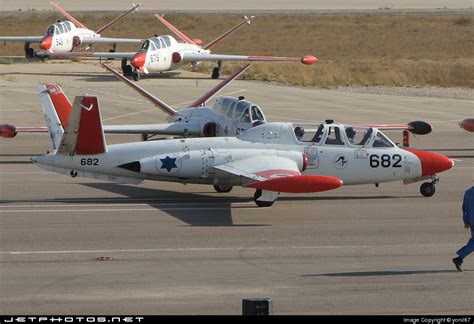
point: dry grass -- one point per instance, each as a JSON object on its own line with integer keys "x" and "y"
{"x": 353, "y": 50}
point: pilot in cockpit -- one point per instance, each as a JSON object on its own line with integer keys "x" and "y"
{"x": 299, "y": 132}
{"x": 350, "y": 132}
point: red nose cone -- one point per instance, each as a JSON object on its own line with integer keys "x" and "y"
{"x": 138, "y": 60}
{"x": 432, "y": 163}
{"x": 45, "y": 43}
{"x": 467, "y": 124}
{"x": 308, "y": 60}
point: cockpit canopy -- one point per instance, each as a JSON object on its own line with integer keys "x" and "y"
{"x": 156, "y": 43}
{"x": 342, "y": 135}
{"x": 59, "y": 28}
{"x": 240, "y": 110}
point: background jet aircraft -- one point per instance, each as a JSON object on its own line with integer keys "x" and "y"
{"x": 269, "y": 158}
{"x": 227, "y": 117}
{"x": 165, "y": 53}
{"x": 63, "y": 36}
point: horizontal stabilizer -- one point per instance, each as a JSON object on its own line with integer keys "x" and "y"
{"x": 298, "y": 184}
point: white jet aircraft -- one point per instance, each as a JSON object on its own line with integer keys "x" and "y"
{"x": 62, "y": 37}
{"x": 165, "y": 53}
{"x": 271, "y": 158}
{"x": 227, "y": 117}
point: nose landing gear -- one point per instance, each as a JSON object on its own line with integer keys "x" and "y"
{"x": 428, "y": 189}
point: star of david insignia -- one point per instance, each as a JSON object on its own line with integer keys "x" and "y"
{"x": 168, "y": 163}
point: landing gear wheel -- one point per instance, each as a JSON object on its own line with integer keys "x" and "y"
{"x": 260, "y": 203}
{"x": 215, "y": 73}
{"x": 136, "y": 76}
{"x": 30, "y": 53}
{"x": 427, "y": 189}
{"x": 223, "y": 188}
{"x": 127, "y": 70}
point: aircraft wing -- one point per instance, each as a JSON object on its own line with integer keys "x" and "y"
{"x": 277, "y": 174}
{"x": 199, "y": 57}
{"x": 179, "y": 129}
{"x": 88, "y": 54}
{"x": 26, "y": 39}
{"x": 110, "y": 40}
{"x": 417, "y": 127}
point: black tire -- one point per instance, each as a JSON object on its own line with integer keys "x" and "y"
{"x": 215, "y": 73}
{"x": 30, "y": 53}
{"x": 427, "y": 189}
{"x": 260, "y": 203}
{"x": 223, "y": 188}
{"x": 136, "y": 76}
{"x": 127, "y": 70}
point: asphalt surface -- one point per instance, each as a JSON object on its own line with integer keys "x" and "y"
{"x": 79, "y": 246}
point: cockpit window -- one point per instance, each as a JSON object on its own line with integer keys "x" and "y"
{"x": 309, "y": 134}
{"x": 381, "y": 141}
{"x": 230, "y": 111}
{"x": 167, "y": 41}
{"x": 246, "y": 116}
{"x": 155, "y": 44}
{"x": 67, "y": 27}
{"x": 358, "y": 135}
{"x": 239, "y": 109}
{"x": 146, "y": 45}
{"x": 257, "y": 115}
{"x": 50, "y": 31}
{"x": 334, "y": 136}
{"x": 163, "y": 45}
{"x": 61, "y": 29}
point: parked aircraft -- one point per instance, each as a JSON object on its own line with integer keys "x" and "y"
{"x": 64, "y": 36}
{"x": 165, "y": 53}
{"x": 227, "y": 117}
{"x": 271, "y": 158}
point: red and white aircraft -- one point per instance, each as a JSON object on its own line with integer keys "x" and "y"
{"x": 270, "y": 158}
{"x": 165, "y": 53}
{"x": 62, "y": 37}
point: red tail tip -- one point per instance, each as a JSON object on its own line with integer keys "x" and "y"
{"x": 309, "y": 59}
{"x": 7, "y": 131}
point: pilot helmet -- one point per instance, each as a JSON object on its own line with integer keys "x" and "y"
{"x": 299, "y": 131}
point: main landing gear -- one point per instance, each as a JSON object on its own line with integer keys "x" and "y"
{"x": 29, "y": 52}
{"x": 223, "y": 188}
{"x": 127, "y": 69}
{"x": 263, "y": 203}
{"x": 216, "y": 72}
{"x": 428, "y": 189}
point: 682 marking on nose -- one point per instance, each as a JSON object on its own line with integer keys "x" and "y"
{"x": 385, "y": 161}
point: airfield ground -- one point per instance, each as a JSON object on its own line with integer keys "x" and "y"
{"x": 79, "y": 246}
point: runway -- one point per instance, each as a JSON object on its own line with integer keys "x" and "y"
{"x": 79, "y": 246}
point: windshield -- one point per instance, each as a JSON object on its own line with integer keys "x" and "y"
{"x": 50, "y": 31}
{"x": 381, "y": 141}
{"x": 358, "y": 135}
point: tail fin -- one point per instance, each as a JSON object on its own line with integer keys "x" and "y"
{"x": 229, "y": 32}
{"x": 175, "y": 30}
{"x": 134, "y": 8}
{"x": 84, "y": 134}
{"x": 68, "y": 16}
{"x": 56, "y": 108}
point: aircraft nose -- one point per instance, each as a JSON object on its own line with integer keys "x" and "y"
{"x": 46, "y": 42}
{"x": 138, "y": 60}
{"x": 432, "y": 163}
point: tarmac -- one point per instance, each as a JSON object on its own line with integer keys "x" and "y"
{"x": 80, "y": 246}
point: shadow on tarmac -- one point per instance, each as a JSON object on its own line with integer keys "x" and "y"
{"x": 381, "y": 273}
